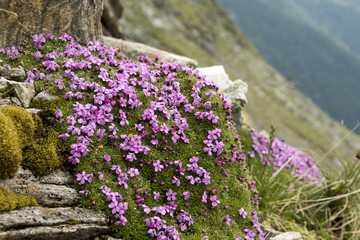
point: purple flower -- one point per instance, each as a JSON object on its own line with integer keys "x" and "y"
{"x": 50, "y": 65}
{"x": 101, "y": 176}
{"x": 214, "y": 201}
{"x": 186, "y": 195}
{"x": 176, "y": 181}
{"x": 242, "y": 212}
{"x": 85, "y": 193}
{"x": 156, "y": 195}
{"x": 139, "y": 127}
{"x": 38, "y": 40}
{"x": 147, "y": 210}
{"x": 58, "y": 113}
{"x": 133, "y": 172}
{"x": 204, "y": 198}
{"x": 50, "y": 36}
{"x": 40, "y": 76}
{"x": 158, "y": 166}
{"x": 207, "y": 105}
{"x": 116, "y": 168}
{"x": 171, "y": 195}
{"x": 82, "y": 177}
{"x": 227, "y": 219}
{"x": 107, "y": 158}
{"x": 189, "y": 108}
{"x": 122, "y": 221}
{"x": 36, "y": 55}
{"x": 65, "y": 37}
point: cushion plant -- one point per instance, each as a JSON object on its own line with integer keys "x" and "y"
{"x": 152, "y": 143}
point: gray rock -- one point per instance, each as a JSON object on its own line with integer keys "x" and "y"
{"x": 33, "y": 110}
{"x": 7, "y": 101}
{"x": 22, "y": 19}
{"x": 52, "y": 191}
{"x": 45, "y": 96}
{"x": 3, "y": 85}
{"x": 40, "y": 216}
{"x": 235, "y": 91}
{"x": 12, "y": 74}
{"x": 58, "y": 177}
{"x": 62, "y": 232}
{"x": 133, "y": 50}
{"x": 288, "y": 236}
{"x": 23, "y": 91}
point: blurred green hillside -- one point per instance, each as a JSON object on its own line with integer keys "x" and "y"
{"x": 313, "y": 42}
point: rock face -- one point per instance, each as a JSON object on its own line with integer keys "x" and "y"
{"x": 39, "y": 216}
{"x": 43, "y": 222}
{"x": 24, "y": 92}
{"x": 65, "y": 232}
{"x": 112, "y": 12}
{"x": 133, "y": 50}
{"x": 12, "y": 74}
{"x": 21, "y": 19}
{"x": 45, "y": 96}
{"x": 51, "y": 191}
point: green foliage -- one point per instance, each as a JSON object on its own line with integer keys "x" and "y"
{"x": 10, "y": 149}
{"x": 272, "y": 188}
{"x": 23, "y": 123}
{"x": 331, "y": 209}
{"x": 10, "y": 201}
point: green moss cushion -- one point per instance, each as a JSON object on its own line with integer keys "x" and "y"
{"x": 10, "y": 148}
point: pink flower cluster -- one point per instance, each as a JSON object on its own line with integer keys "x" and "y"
{"x": 212, "y": 144}
{"x": 117, "y": 205}
{"x": 280, "y": 152}
{"x": 157, "y": 228}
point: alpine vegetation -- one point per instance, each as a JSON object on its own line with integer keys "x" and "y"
{"x": 151, "y": 143}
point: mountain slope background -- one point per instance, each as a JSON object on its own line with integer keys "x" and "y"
{"x": 313, "y": 42}
{"x": 337, "y": 18}
{"x": 201, "y": 29}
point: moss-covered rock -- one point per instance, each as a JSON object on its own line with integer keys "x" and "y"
{"x": 23, "y": 123}
{"x": 10, "y": 148}
{"x": 10, "y": 201}
{"x": 42, "y": 156}
{"x": 50, "y": 105}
